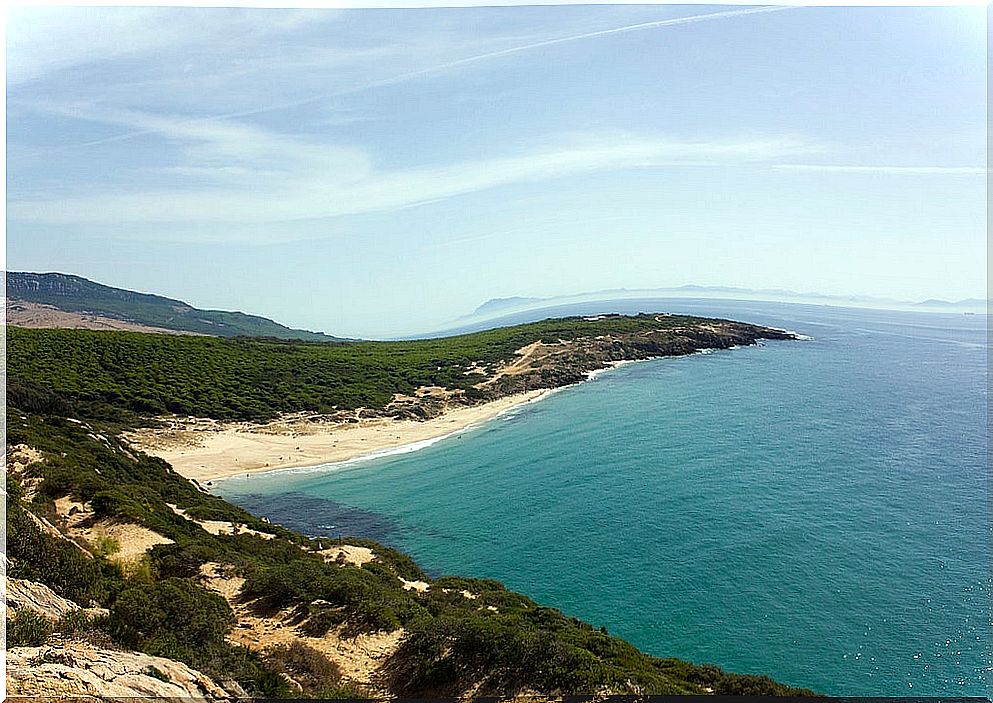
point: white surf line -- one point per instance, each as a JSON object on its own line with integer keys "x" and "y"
{"x": 611, "y": 365}
{"x": 799, "y": 337}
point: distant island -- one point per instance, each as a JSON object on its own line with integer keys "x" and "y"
{"x": 62, "y": 300}
{"x": 966, "y": 304}
{"x": 119, "y": 560}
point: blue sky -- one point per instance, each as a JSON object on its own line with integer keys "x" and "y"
{"x": 379, "y": 172}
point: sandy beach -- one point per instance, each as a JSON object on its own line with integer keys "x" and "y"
{"x": 204, "y": 450}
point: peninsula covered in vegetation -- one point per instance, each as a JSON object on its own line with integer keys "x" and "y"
{"x": 115, "y": 556}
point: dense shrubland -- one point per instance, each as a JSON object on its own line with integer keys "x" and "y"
{"x": 125, "y": 376}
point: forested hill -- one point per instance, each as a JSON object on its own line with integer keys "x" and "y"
{"x": 34, "y": 299}
{"x": 259, "y": 379}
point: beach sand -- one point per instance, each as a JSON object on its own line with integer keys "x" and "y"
{"x": 204, "y": 450}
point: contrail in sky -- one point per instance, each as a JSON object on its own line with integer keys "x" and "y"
{"x": 672, "y": 22}
{"x": 693, "y": 19}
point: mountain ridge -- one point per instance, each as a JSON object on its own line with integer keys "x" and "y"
{"x": 96, "y": 305}
{"x": 497, "y": 306}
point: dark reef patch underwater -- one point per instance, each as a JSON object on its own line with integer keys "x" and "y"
{"x": 321, "y": 517}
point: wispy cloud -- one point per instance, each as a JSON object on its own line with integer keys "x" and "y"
{"x": 245, "y": 174}
{"x": 99, "y": 41}
{"x": 215, "y": 143}
{"x": 888, "y": 170}
{"x": 226, "y": 170}
{"x": 45, "y": 40}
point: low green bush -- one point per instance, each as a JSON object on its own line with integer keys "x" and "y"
{"x": 82, "y": 626}
{"x": 230, "y": 662}
{"x": 323, "y": 619}
{"x": 373, "y": 615}
{"x": 27, "y": 629}
{"x": 168, "y": 614}
{"x": 311, "y": 669}
{"x": 58, "y": 563}
{"x": 156, "y": 673}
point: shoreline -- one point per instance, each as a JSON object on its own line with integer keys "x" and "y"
{"x": 214, "y": 451}
{"x": 520, "y": 400}
{"x": 206, "y": 451}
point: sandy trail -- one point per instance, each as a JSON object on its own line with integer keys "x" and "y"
{"x": 207, "y": 450}
{"x": 358, "y": 657}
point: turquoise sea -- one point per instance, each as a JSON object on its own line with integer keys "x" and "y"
{"x": 816, "y": 510}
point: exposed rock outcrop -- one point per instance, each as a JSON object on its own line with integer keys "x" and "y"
{"x": 41, "y": 600}
{"x": 58, "y": 671}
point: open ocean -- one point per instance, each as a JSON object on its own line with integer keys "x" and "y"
{"x": 817, "y": 511}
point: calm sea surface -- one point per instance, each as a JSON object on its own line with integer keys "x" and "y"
{"x": 817, "y": 511}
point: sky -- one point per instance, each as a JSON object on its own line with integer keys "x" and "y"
{"x": 375, "y": 173}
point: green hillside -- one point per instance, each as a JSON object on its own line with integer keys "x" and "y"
{"x": 76, "y": 294}
{"x": 259, "y": 378}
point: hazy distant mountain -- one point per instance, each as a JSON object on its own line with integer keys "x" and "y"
{"x": 500, "y": 306}
{"x": 965, "y": 303}
{"x": 495, "y": 305}
{"x": 63, "y": 300}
